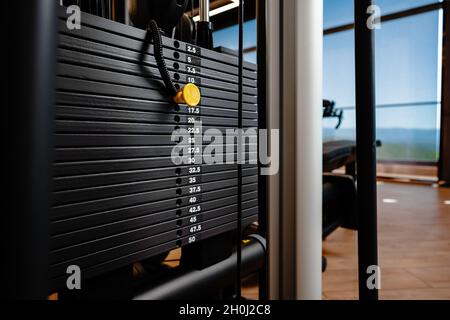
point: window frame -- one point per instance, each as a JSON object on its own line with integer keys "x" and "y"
{"x": 444, "y": 156}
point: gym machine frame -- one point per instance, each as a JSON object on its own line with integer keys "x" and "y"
{"x": 26, "y": 237}
{"x": 277, "y": 51}
{"x": 27, "y": 234}
{"x": 366, "y": 148}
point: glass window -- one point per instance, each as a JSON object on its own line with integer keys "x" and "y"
{"x": 407, "y": 91}
{"x": 337, "y": 13}
{"x": 229, "y": 37}
{"x": 408, "y": 57}
{"x": 339, "y": 83}
{"x": 250, "y": 57}
{"x": 339, "y": 68}
{"x": 409, "y": 133}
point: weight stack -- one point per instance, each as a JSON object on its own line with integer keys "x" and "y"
{"x": 118, "y": 198}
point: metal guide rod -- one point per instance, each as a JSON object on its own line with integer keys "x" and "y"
{"x": 308, "y": 42}
{"x": 127, "y": 12}
{"x": 199, "y": 282}
{"x": 204, "y": 27}
{"x": 240, "y": 146}
{"x": 366, "y": 148}
{"x": 271, "y": 85}
{"x": 262, "y": 124}
{"x": 204, "y": 10}
{"x": 294, "y": 100}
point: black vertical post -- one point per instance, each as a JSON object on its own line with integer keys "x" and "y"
{"x": 444, "y": 159}
{"x": 86, "y": 6}
{"x": 262, "y": 124}
{"x": 28, "y": 117}
{"x": 366, "y": 148}
{"x": 96, "y": 7}
{"x": 240, "y": 148}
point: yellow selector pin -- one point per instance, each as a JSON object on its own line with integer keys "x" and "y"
{"x": 190, "y": 95}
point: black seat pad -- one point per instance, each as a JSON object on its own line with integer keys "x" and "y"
{"x": 338, "y": 153}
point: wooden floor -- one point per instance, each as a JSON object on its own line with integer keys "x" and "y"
{"x": 414, "y": 246}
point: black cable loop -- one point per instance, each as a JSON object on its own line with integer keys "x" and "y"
{"x": 158, "y": 52}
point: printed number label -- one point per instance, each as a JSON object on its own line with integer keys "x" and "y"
{"x": 194, "y": 110}
{"x": 193, "y": 60}
{"x": 193, "y": 180}
{"x": 194, "y": 130}
{"x": 193, "y": 50}
{"x": 196, "y": 189}
{"x": 193, "y": 220}
{"x": 195, "y": 229}
{"x": 192, "y": 70}
{"x": 193, "y": 200}
{"x": 191, "y": 120}
{"x": 194, "y": 80}
{"x": 195, "y": 170}
{"x": 195, "y": 150}
{"x": 192, "y": 239}
{"x": 196, "y": 209}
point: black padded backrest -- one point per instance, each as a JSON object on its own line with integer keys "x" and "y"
{"x": 338, "y": 153}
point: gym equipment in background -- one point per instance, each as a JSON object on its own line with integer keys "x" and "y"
{"x": 330, "y": 111}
